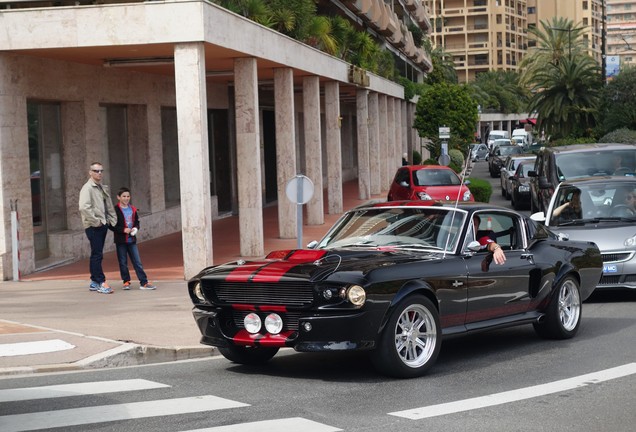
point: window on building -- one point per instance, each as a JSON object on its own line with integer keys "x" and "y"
{"x": 46, "y": 167}
{"x": 169, "y": 140}
{"x": 585, "y": 6}
{"x": 117, "y": 169}
{"x": 532, "y": 10}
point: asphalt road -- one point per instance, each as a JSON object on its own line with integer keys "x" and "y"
{"x": 504, "y": 380}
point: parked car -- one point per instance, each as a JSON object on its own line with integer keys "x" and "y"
{"x": 520, "y": 186}
{"x": 478, "y": 152}
{"x": 498, "y": 156}
{"x": 508, "y": 169}
{"x": 556, "y": 164}
{"x": 600, "y": 209}
{"x": 394, "y": 279}
{"x": 428, "y": 182}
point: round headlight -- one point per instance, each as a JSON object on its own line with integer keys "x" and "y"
{"x": 466, "y": 196}
{"x": 356, "y": 295}
{"x": 198, "y": 291}
{"x": 273, "y": 323}
{"x": 252, "y": 323}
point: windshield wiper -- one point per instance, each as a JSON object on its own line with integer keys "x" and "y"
{"x": 574, "y": 222}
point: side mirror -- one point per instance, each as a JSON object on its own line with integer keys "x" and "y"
{"x": 404, "y": 184}
{"x": 563, "y": 236}
{"x": 466, "y": 182}
{"x": 538, "y": 217}
{"x": 532, "y": 174}
{"x": 312, "y": 244}
{"x": 474, "y": 246}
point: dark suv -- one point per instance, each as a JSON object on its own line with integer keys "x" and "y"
{"x": 555, "y": 164}
{"x": 498, "y": 155}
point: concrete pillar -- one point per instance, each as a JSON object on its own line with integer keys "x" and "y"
{"x": 248, "y": 156}
{"x": 334, "y": 152}
{"x": 385, "y": 181}
{"x": 397, "y": 129}
{"x": 313, "y": 148}
{"x": 362, "y": 117}
{"x": 391, "y": 136}
{"x": 409, "y": 130}
{"x": 194, "y": 170}
{"x": 374, "y": 144}
{"x": 285, "y": 148}
{"x": 405, "y": 134}
{"x": 74, "y": 155}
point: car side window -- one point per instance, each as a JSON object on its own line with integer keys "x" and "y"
{"x": 501, "y": 227}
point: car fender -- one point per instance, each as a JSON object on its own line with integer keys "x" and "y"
{"x": 564, "y": 271}
{"x": 409, "y": 288}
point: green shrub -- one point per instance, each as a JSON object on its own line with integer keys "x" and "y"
{"x": 457, "y": 158}
{"x": 570, "y": 141}
{"x": 430, "y": 161}
{"x": 481, "y": 189}
{"x": 622, "y": 136}
{"x": 417, "y": 157}
{"x": 455, "y": 167}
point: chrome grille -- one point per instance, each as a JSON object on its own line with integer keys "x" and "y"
{"x": 283, "y": 293}
{"x": 290, "y": 319}
{"x": 615, "y": 257}
{"x": 630, "y": 278}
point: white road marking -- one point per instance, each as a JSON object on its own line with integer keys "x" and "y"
{"x": 291, "y": 424}
{"x": 79, "y": 389}
{"x": 109, "y": 413}
{"x": 517, "y": 395}
{"x": 37, "y": 347}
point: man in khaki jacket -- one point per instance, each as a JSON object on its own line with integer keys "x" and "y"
{"x": 98, "y": 213}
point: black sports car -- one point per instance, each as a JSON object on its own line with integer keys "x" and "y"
{"x": 395, "y": 278}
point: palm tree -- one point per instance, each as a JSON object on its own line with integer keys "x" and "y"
{"x": 500, "y": 91}
{"x": 563, "y": 79}
{"x": 566, "y": 96}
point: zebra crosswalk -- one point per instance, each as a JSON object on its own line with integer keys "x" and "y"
{"x": 61, "y": 418}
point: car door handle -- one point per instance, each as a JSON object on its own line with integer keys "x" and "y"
{"x": 527, "y": 256}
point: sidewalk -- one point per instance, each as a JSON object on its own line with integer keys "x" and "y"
{"x": 54, "y": 309}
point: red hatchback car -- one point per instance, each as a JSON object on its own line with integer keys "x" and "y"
{"x": 428, "y": 182}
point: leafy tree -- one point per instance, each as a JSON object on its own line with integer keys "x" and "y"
{"x": 500, "y": 91}
{"x": 449, "y": 105}
{"x": 618, "y": 106}
{"x": 563, "y": 79}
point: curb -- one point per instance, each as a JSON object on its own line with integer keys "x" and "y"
{"x": 128, "y": 354}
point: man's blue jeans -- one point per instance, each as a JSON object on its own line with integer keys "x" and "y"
{"x": 97, "y": 236}
{"x": 130, "y": 250}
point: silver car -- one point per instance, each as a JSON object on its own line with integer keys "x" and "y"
{"x": 603, "y": 210}
{"x": 508, "y": 170}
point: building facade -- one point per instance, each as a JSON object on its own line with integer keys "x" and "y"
{"x": 586, "y": 13}
{"x": 199, "y": 111}
{"x": 481, "y": 35}
{"x": 621, "y": 34}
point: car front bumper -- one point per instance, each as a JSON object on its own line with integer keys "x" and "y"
{"x": 351, "y": 330}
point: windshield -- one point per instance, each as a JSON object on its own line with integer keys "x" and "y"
{"x": 432, "y": 228}
{"x": 607, "y": 201}
{"x": 435, "y": 177}
{"x": 508, "y": 150}
{"x": 603, "y": 162}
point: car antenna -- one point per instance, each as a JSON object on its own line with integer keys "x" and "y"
{"x": 459, "y": 191}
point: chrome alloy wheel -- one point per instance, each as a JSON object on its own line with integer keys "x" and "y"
{"x": 569, "y": 305}
{"x": 415, "y": 335}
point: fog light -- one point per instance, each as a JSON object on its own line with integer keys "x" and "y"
{"x": 327, "y": 294}
{"x": 307, "y": 326}
{"x": 252, "y": 323}
{"x": 273, "y": 323}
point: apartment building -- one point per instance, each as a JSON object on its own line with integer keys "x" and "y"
{"x": 621, "y": 34}
{"x": 587, "y": 13}
{"x": 481, "y": 35}
{"x": 198, "y": 110}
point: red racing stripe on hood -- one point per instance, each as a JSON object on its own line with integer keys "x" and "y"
{"x": 243, "y": 273}
{"x": 276, "y": 270}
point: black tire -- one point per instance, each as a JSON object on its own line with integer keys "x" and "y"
{"x": 563, "y": 315}
{"x": 248, "y": 355}
{"x": 514, "y": 202}
{"x": 410, "y": 342}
